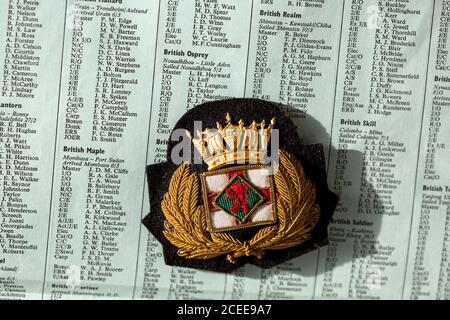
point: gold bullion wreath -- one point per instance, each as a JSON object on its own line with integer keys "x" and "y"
{"x": 185, "y": 219}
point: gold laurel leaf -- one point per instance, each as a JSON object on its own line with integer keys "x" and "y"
{"x": 185, "y": 219}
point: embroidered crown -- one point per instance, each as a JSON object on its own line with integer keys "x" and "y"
{"x": 231, "y": 144}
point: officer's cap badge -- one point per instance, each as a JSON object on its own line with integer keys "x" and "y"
{"x": 248, "y": 200}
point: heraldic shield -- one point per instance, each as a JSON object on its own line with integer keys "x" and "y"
{"x": 248, "y": 192}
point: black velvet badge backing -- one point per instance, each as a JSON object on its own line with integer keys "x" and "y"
{"x": 311, "y": 156}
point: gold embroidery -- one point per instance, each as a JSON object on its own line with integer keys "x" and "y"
{"x": 233, "y": 144}
{"x": 186, "y": 227}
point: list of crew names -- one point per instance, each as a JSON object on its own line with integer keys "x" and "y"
{"x": 91, "y": 89}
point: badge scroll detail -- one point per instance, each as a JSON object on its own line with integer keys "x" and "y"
{"x": 185, "y": 224}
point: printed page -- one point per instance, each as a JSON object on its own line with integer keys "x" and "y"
{"x": 91, "y": 89}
